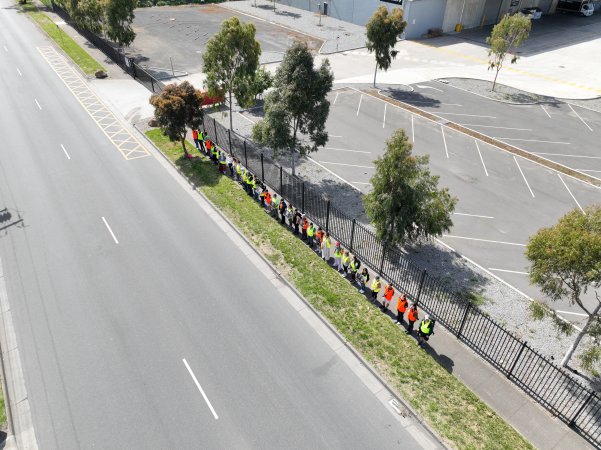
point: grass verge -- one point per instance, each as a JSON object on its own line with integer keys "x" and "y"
{"x": 88, "y": 64}
{"x": 448, "y": 406}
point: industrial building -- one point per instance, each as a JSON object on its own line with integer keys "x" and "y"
{"x": 424, "y": 15}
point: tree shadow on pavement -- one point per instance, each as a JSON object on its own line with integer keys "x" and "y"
{"x": 413, "y": 98}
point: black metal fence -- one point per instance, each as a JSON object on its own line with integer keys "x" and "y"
{"x": 120, "y": 58}
{"x": 548, "y": 384}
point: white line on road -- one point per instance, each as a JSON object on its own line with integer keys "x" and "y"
{"x": 412, "y": 130}
{"x": 5, "y": 49}
{"x": 251, "y": 121}
{"x": 38, "y": 103}
{"x": 481, "y": 159}
{"x": 384, "y": 121}
{"x": 349, "y": 165}
{"x": 564, "y": 154}
{"x": 360, "y": 182}
{"x": 491, "y": 126}
{"x": 570, "y": 312}
{"x": 336, "y": 98}
{"x": 473, "y": 215}
{"x": 19, "y": 72}
{"x": 482, "y": 240}
{"x": 430, "y": 103}
{"x": 446, "y": 150}
{"x": 571, "y": 195}
{"x": 422, "y": 86}
{"x": 200, "y": 389}
{"x": 523, "y": 176}
{"x": 531, "y": 140}
{"x": 333, "y": 173}
{"x": 549, "y": 115}
{"x": 346, "y": 150}
{"x": 333, "y": 136}
{"x": 110, "y": 231}
{"x": 65, "y": 150}
{"x": 468, "y": 115}
{"x": 508, "y": 271}
{"x": 359, "y": 107}
{"x": 581, "y": 119}
{"x": 588, "y": 170}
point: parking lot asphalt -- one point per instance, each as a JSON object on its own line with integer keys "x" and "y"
{"x": 503, "y": 199}
{"x": 178, "y": 35}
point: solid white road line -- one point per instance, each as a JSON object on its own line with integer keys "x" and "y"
{"x": 333, "y": 136}
{"x": 481, "y": 159}
{"x": 384, "y": 121}
{"x": 548, "y": 115}
{"x": 588, "y": 170}
{"x": 473, "y": 215}
{"x": 251, "y": 121}
{"x": 5, "y": 49}
{"x": 346, "y": 150}
{"x": 19, "y": 72}
{"x": 349, "y": 165}
{"x": 491, "y": 126}
{"x": 508, "y": 271}
{"x": 564, "y": 154}
{"x": 531, "y": 140}
{"x": 581, "y": 119}
{"x": 523, "y": 176}
{"x": 333, "y": 173}
{"x": 446, "y": 150}
{"x": 409, "y": 101}
{"x": 412, "y": 130}
{"x": 65, "y": 150}
{"x": 482, "y": 240}
{"x": 360, "y": 182}
{"x": 359, "y": 107}
{"x": 110, "y": 231}
{"x": 423, "y": 86}
{"x": 336, "y": 98}
{"x": 468, "y": 115}
{"x": 200, "y": 389}
{"x": 38, "y": 103}
{"x": 570, "y": 312}
{"x": 571, "y": 195}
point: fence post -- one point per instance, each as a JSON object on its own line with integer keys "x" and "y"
{"x": 152, "y": 85}
{"x": 281, "y": 183}
{"x": 350, "y": 247}
{"x": 245, "y": 155}
{"x": 303, "y": 198}
{"x": 467, "y": 311}
{"x": 262, "y": 168}
{"x": 573, "y": 421}
{"x": 215, "y": 128}
{"x": 421, "y": 285}
{"x": 229, "y": 138}
{"x": 517, "y": 358}
{"x": 328, "y": 217}
{"x": 384, "y": 247}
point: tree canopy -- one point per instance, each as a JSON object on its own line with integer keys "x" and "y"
{"x": 405, "y": 204}
{"x": 177, "y": 107}
{"x": 383, "y": 30}
{"x": 297, "y": 107}
{"x": 506, "y": 37}
{"x": 230, "y": 62}
{"x": 566, "y": 263}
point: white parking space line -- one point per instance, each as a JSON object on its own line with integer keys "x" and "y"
{"x": 360, "y": 182}
{"x": 546, "y": 112}
{"x": 336, "y": 98}
{"x": 429, "y": 103}
{"x": 564, "y": 154}
{"x": 570, "y": 312}
{"x": 110, "y": 230}
{"x": 571, "y": 195}
{"x": 444, "y": 139}
{"x": 588, "y": 170}
{"x": 412, "y": 130}
{"x": 333, "y": 173}
{"x": 581, "y": 119}
{"x": 207, "y": 401}
{"x": 65, "y": 150}
{"x": 19, "y": 72}
{"x": 523, "y": 176}
{"x": 346, "y": 150}
{"x": 491, "y": 126}
{"x": 473, "y": 215}
{"x": 531, "y": 140}
{"x": 250, "y": 120}
{"x": 384, "y": 121}
{"x": 482, "y": 240}
{"x": 348, "y": 165}
{"x": 38, "y": 103}
{"x": 5, "y": 49}
{"x": 481, "y": 159}
{"x": 467, "y": 115}
{"x": 359, "y": 107}
{"x": 507, "y": 271}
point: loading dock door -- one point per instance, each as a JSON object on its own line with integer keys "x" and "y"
{"x": 491, "y": 11}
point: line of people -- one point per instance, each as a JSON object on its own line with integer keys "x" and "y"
{"x": 318, "y": 239}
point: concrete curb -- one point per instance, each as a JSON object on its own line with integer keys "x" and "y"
{"x": 323, "y": 320}
{"x": 446, "y": 83}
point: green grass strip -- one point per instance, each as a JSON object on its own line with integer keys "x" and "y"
{"x": 448, "y": 406}
{"x": 82, "y": 58}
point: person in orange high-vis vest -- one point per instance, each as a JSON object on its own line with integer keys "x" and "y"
{"x": 401, "y": 307}
{"x": 412, "y": 317}
{"x": 388, "y": 294}
{"x": 305, "y": 228}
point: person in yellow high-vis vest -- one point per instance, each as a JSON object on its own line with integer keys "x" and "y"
{"x": 376, "y": 285}
{"x": 326, "y": 243}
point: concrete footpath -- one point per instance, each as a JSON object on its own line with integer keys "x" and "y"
{"x": 129, "y": 100}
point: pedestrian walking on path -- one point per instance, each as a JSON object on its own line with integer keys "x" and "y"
{"x": 426, "y": 329}
{"x": 346, "y": 262}
{"x": 375, "y": 289}
{"x": 412, "y": 317}
{"x": 297, "y": 221}
{"x": 318, "y": 238}
{"x": 326, "y": 243}
{"x": 388, "y": 294}
{"x": 283, "y": 209}
{"x": 338, "y": 257}
{"x": 401, "y": 307}
{"x": 290, "y": 216}
{"x": 310, "y": 234}
{"x": 195, "y": 138}
{"x": 305, "y": 222}
{"x": 355, "y": 265}
{"x": 275, "y": 206}
{"x": 363, "y": 280}
{"x": 202, "y": 136}
{"x": 222, "y": 162}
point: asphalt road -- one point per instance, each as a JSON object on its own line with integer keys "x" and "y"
{"x": 502, "y": 200}
{"x": 118, "y": 275}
